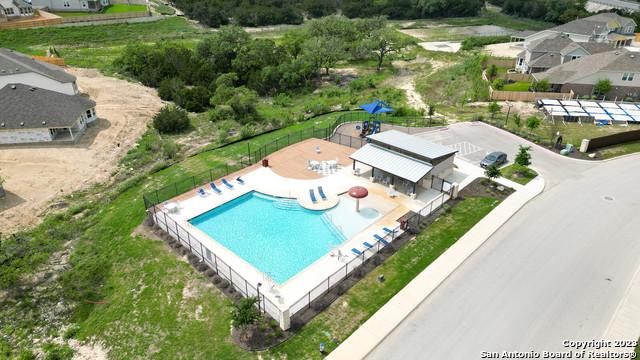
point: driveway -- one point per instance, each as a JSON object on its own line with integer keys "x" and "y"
{"x": 556, "y": 271}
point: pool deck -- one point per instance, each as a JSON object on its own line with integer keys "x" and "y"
{"x": 288, "y": 176}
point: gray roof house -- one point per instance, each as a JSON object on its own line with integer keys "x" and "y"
{"x": 14, "y": 9}
{"x": 620, "y": 66}
{"x": 603, "y": 28}
{"x": 543, "y": 54}
{"x": 17, "y": 68}
{"x": 71, "y": 5}
{"x": 414, "y": 161}
{"x": 35, "y": 115}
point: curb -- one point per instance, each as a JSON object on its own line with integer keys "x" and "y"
{"x": 370, "y": 334}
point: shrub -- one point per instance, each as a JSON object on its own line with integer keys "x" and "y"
{"x": 169, "y": 89}
{"x": 533, "y": 122}
{"x": 195, "y": 99}
{"x": 171, "y": 119}
{"x": 479, "y": 41}
{"x": 602, "y": 87}
{"x": 517, "y": 120}
{"x": 494, "y": 108}
{"x": 169, "y": 149}
{"x": 542, "y": 85}
{"x": 498, "y": 84}
{"x": 246, "y": 131}
{"x": 492, "y": 172}
{"x": 57, "y": 352}
{"x": 523, "y": 158}
{"x": 244, "y": 312}
{"x": 221, "y": 113}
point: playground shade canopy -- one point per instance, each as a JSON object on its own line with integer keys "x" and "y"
{"x": 376, "y": 107}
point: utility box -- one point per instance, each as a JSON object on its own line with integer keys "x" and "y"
{"x": 584, "y": 146}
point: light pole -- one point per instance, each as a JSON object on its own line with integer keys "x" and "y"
{"x": 509, "y": 106}
{"x": 258, "y": 288}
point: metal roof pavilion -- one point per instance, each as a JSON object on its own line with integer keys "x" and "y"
{"x": 392, "y": 162}
{"x": 412, "y": 144}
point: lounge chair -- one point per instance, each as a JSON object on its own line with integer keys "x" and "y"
{"x": 388, "y": 231}
{"x": 201, "y": 192}
{"x": 356, "y": 251}
{"x": 215, "y": 188}
{"x": 312, "y": 195}
{"x": 226, "y": 183}
{"x": 239, "y": 180}
{"x": 321, "y": 192}
{"x": 381, "y": 239}
{"x": 367, "y": 245}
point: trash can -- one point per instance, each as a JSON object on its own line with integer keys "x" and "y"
{"x": 265, "y": 162}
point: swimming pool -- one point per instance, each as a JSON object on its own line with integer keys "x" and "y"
{"x": 279, "y": 237}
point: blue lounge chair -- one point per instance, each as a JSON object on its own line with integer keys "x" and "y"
{"x": 201, "y": 192}
{"x": 215, "y": 188}
{"x": 226, "y": 183}
{"x": 240, "y": 181}
{"x": 388, "y": 231}
{"x": 356, "y": 251}
{"x": 381, "y": 239}
{"x": 321, "y": 192}
{"x": 312, "y": 195}
{"x": 367, "y": 245}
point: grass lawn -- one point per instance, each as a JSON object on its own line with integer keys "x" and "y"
{"x": 517, "y": 86}
{"x": 74, "y": 13}
{"x": 520, "y": 174}
{"x": 620, "y": 149}
{"x": 124, "y": 8}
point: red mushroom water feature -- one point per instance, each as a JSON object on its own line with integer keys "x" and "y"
{"x": 358, "y": 192}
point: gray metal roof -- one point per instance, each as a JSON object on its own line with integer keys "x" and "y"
{"x": 392, "y": 162}
{"x": 12, "y": 62}
{"x": 597, "y": 24}
{"x": 26, "y": 107}
{"x": 412, "y": 144}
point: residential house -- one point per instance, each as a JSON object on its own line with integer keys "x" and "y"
{"x": 14, "y": 9}
{"x": 17, "y": 68}
{"x": 71, "y": 5}
{"x": 602, "y": 28}
{"x": 543, "y": 54}
{"x": 620, "y": 66}
{"x": 35, "y": 115}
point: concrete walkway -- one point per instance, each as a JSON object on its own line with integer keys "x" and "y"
{"x": 385, "y": 320}
{"x": 624, "y": 324}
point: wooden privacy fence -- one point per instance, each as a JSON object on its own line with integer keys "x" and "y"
{"x": 50, "y": 60}
{"x": 43, "y": 18}
{"x": 613, "y": 139}
{"x": 518, "y": 77}
{"x": 508, "y": 63}
{"x": 500, "y": 95}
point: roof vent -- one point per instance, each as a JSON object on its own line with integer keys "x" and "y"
{"x": 44, "y": 123}
{"x": 633, "y": 56}
{"x": 32, "y": 89}
{"x": 13, "y": 87}
{"x": 617, "y": 52}
{"x": 17, "y": 69}
{"x": 22, "y": 123}
{"x": 1, "y": 124}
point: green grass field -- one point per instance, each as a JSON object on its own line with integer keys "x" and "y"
{"x": 517, "y": 86}
{"x": 520, "y": 174}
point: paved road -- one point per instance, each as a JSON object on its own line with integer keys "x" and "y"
{"x": 617, "y": 4}
{"x": 557, "y": 270}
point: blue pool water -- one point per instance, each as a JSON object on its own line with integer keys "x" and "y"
{"x": 278, "y": 236}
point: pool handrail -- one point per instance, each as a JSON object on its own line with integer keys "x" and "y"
{"x": 312, "y": 195}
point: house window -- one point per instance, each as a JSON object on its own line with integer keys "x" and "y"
{"x": 573, "y": 57}
{"x": 520, "y": 61}
{"x": 628, "y": 76}
{"x": 66, "y": 4}
{"x": 84, "y": 4}
{"x": 89, "y": 114}
{"x": 629, "y": 29}
{"x": 8, "y": 11}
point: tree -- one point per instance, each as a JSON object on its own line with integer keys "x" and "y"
{"x": 170, "y": 88}
{"x": 171, "y": 119}
{"x": 492, "y": 172}
{"x": 523, "y": 158}
{"x": 498, "y": 84}
{"x": 542, "y": 85}
{"x": 602, "y": 86}
{"x": 324, "y": 52}
{"x": 517, "y": 120}
{"x": 386, "y": 41}
{"x": 432, "y": 109}
{"x": 494, "y": 108}
{"x": 492, "y": 71}
{"x": 222, "y": 47}
{"x": 244, "y": 312}
{"x": 533, "y": 122}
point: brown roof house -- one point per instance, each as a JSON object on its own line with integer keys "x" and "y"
{"x": 620, "y": 66}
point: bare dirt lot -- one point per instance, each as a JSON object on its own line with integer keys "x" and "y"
{"x": 35, "y": 175}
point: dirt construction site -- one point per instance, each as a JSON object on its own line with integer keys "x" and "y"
{"x": 37, "y": 174}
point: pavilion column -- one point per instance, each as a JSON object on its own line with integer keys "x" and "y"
{"x": 372, "y": 174}
{"x": 71, "y": 133}
{"x": 354, "y": 164}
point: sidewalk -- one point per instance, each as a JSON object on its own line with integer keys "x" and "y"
{"x": 383, "y": 322}
{"x": 625, "y": 322}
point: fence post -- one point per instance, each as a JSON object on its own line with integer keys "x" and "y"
{"x": 193, "y": 178}
{"x": 157, "y": 198}
{"x": 309, "y": 299}
{"x": 226, "y": 168}
{"x": 188, "y": 240}
{"x": 230, "y": 275}
{"x": 211, "y": 173}
{"x": 246, "y": 288}
{"x": 215, "y": 263}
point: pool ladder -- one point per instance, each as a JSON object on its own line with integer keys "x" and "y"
{"x": 333, "y": 228}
